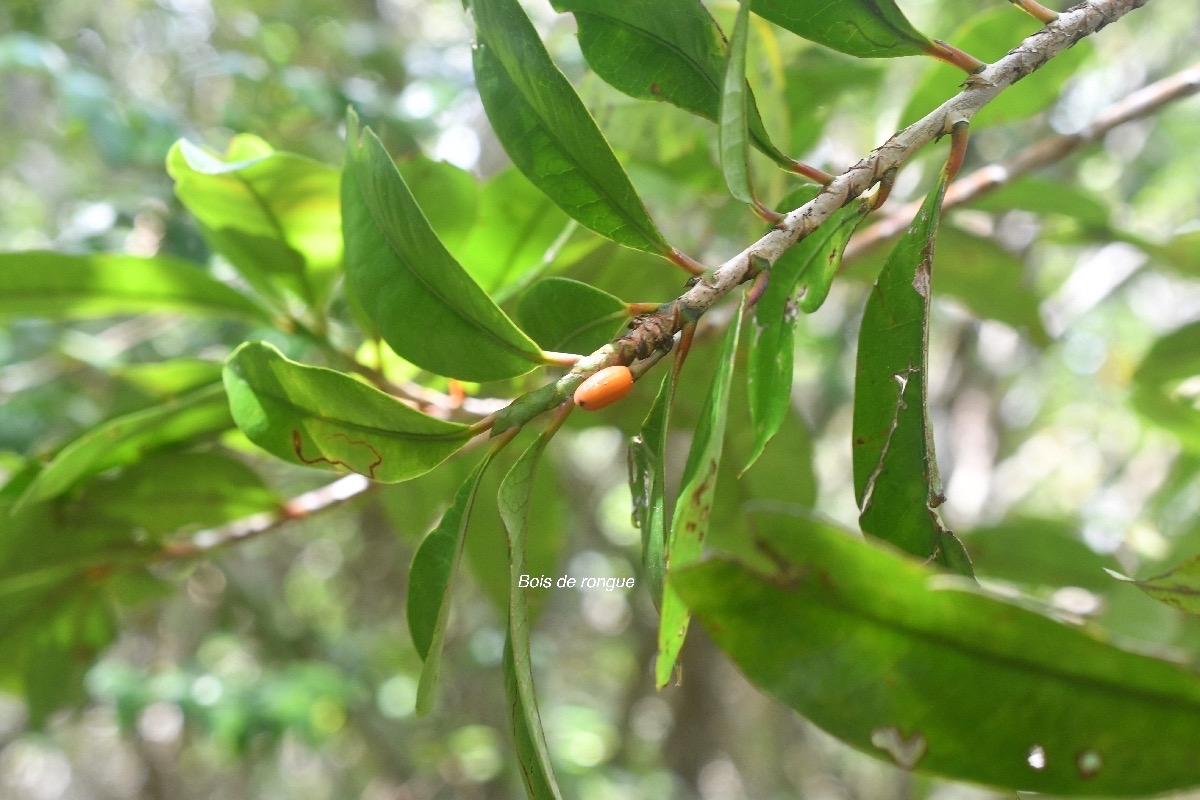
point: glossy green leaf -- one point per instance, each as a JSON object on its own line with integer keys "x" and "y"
{"x": 647, "y": 485}
{"x": 1178, "y": 587}
{"x": 62, "y": 286}
{"x": 866, "y": 28}
{"x": 896, "y": 482}
{"x": 274, "y": 215}
{"x": 548, "y": 133}
{"x": 662, "y": 50}
{"x": 514, "y": 501}
{"x": 431, "y": 580}
{"x": 127, "y": 439}
{"x": 424, "y": 304}
{"x": 929, "y": 673}
{"x": 801, "y": 278}
{"x": 989, "y": 35}
{"x": 732, "y": 138}
{"x": 689, "y": 524}
{"x": 569, "y": 316}
{"x": 323, "y": 418}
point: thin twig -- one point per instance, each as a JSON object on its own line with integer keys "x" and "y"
{"x": 1142, "y": 103}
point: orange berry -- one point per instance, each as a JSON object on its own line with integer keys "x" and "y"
{"x": 604, "y": 387}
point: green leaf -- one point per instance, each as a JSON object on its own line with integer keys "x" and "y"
{"x": 548, "y": 133}
{"x": 57, "y": 644}
{"x": 514, "y": 500}
{"x": 518, "y": 233}
{"x": 1178, "y": 587}
{"x": 1047, "y": 196}
{"x": 865, "y": 28}
{"x": 662, "y": 50}
{"x": 807, "y": 270}
{"x": 62, "y": 286}
{"x": 1038, "y": 552}
{"x": 323, "y": 418}
{"x": 689, "y": 524}
{"x": 274, "y": 215}
{"x": 1172, "y": 358}
{"x": 932, "y": 674}
{"x": 989, "y": 35}
{"x": 568, "y": 316}
{"x": 647, "y": 485}
{"x": 1161, "y": 393}
{"x": 177, "y": 491}
{"x": 447, "y": 195}
{"x": 731, "y": 128}
{"x": 127, "y": 439}
{"x": 171, "y": 378}
{"x": 990, "y": 281}
{"x": 425, "y": 305}
{"x": 896, "y": 482}
{"x": 431, "y": 580}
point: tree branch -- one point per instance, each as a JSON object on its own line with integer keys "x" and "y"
{"x": 1142, "y": 103}
{"x": 656, "y": 330}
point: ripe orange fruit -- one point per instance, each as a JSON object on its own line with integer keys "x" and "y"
{"x": 603, "y": 388}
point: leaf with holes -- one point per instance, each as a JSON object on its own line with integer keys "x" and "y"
{"x": 323, "y": 418}
{"x": 896, "y": 482}
{"x": 689, "y": 524}
{"x": 423, "y": 302}
{"x": 548, "y": 133}
{"x": 945, "y": 679}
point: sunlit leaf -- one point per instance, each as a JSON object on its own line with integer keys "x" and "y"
{"x": 689, "y": 524}
{"x": 548, "y": 133}
{"x": 896, "y": 481}
{"x": 274, "y": 215}
{"x": 929, "y": 673}
{"x": 423, "y": 303}
{"x": 867, "y": 28}
{"x": 62, "y": 286}
{"x": 323, "y": 418}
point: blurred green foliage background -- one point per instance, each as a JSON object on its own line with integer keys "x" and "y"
{"x": 282, "y": 667}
